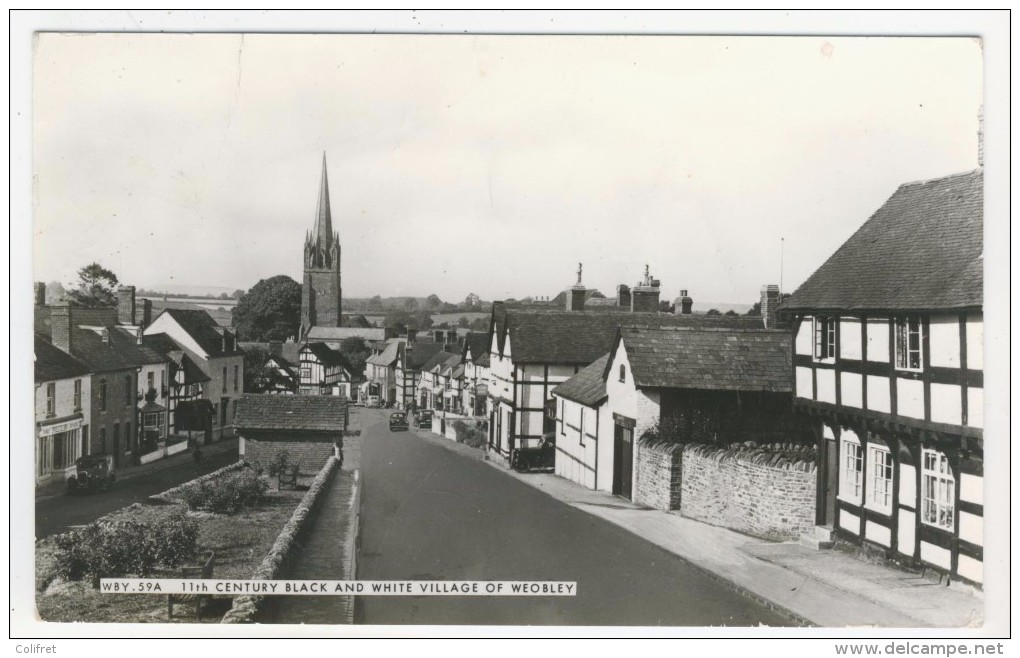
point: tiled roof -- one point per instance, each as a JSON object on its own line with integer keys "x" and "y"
{"x": 580, "y": 337}
{"x": 334, "y": 334}
{"x": 163, "y": 343}
{"x": 710, "y": 359}
{"x": 588, "y": 386}
{"x": 121, "y": 352}
{"x": 447, "y": 368}
{"x": 437, "y": 359}
{"x": 921, "y": 250}
{"x": 478, "y": 343}
{"x": 418, "y": 353}
{"x": 387, "y": 357}
{"x": 52, "y": 363}
{"x": 483, "y": 360}
{"x": 326, "y": 355}
{"x": 310, "y": 413}
{"x": 560, "y": 300}
{"x": 204, "y": 330}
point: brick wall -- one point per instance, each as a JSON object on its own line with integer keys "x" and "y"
{"x": 658, "y": 475}
{"x": 749, "y": 489}
{"x": 310, "y": 455}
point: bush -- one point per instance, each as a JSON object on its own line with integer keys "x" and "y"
{"x": 229, "y": 494}
{"x": 279, "y": 463}
{"x": 471, "y": 436}
{"x": 108, "y": 549}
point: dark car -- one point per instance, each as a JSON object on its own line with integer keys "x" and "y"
{"x": 423, "y": 418}
{"x": 92, "y": 473}
{"x": 538, "y": 457}
{"x": 398, "y": 421}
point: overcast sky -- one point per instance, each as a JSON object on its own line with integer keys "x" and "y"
{"x": 491, "y": 164}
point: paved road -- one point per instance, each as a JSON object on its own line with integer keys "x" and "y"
{"x": 429, "y": 513}
{"x": 53, "y": 515}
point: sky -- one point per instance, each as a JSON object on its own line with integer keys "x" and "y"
{"x": 486, "y": 164}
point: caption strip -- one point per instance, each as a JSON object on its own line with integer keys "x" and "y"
{"x": 338, "y": 587}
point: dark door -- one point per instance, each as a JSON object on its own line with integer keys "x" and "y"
{"x": 549, "y": 419}
{"x": 623, "y": 455}
{"x": 831, "y": 482}
{"x": 116, "y": 445}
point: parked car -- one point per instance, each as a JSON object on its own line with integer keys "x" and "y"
{"x": 398, "y": 421}
{"x": 92, "y": 473}
{"x": 542, "y": 456}
{"x": 423, "y": 418}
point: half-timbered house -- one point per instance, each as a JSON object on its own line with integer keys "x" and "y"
{"x": 323, "y": 371}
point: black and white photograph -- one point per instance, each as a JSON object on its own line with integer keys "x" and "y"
{"x": 557, "y": 331}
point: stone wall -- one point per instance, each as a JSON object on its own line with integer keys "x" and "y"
{"x": 310, "y": 455}
{"x": 658, "y": 475}
{"x": 749, "y": 489}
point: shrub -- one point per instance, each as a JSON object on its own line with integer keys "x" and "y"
{"x": 471, "y": 436}
{"x": 279, "y": 463}
{"x": 107, "y": 549}
{"x": 229, "y": 494}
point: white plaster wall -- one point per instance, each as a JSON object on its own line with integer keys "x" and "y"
{"x": 166, "y": 324}
{"x": 878, "y": 394}
{"x": 970, "y": 568}
{"x": 972, "y": 488}
{"x": 975, "y": 407}
{"x": 63, "y": 398}
{"x": 878, "y": 533}
{"x": 972, "y": 528}
{"x": 849, "y": 522}
{"x": 946, "y": 404}
{"x": 910, "y": 398}
{"x": 803, "y": 344}
{"x": 878, "y": 340}
{"x": 851, "y": 389}
{"x": 975, "y": 342}
{"x": 935, "y": 555}
{"x": 850, "y": 338}
{"x": 826, "y": 381}
{"x": 944, "y": 341}
{"x": 908, "y": 485}
{"x": 804, "y": 389}
{"x": 906, "y": 541}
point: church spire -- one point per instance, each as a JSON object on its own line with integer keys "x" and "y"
{"x": 323, "y": 222}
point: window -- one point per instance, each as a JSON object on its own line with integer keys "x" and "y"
{"x": 150, "y": 379}
{"x": 623, "y": 373}
{"x": 235, "y": 378}
{"x": 51, "y": 399}
{"x": 825, "y": 338}
{"x": 224, "y": 379}
{"x": 938, "y": 490}
{"x": 77, "y": 395}
{"x": 102, "y": 395}
{"x": 908, "y": 343}
{"x": 162, "y": 382}
{"x": 880, "y": 478}
{"x": 851, "y": 468}
{"x": 128, "y": 392}
{"x": 216, "y": 411}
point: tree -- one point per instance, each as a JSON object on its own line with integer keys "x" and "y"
{"x": 472, "y": 300}
{"x": 463, "y": 322}
{"x": 359, "y": 321}
{"x": 755, "y": 310}
{"x": 480, "y": 324}
{"x": 730, "y": 313}
{"x": 713, "y": 311}
{"x": 419, "y": 320}
{"x": 356, "y": 351}
{"x": 375, "y": 304}
{"x": 237, "y": 294}
{"x": 271, "y": 310}
{"x": 665, "y": 307}
{"x": 96, "y": 286}
{"x": 447, "y": 307}
{"x": 411, "y": 304}
{"x": 224, "y": 295}
{"x": 433, "y": 301}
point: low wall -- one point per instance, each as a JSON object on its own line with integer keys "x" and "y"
{"x": 174, "y": 494}
{"x": 352, "y": 541}
{"x": 246, "y": 609}
{"x": 309, "y": 455}
{"x": 749, "y": 489}
{"x": 658, "y": 475}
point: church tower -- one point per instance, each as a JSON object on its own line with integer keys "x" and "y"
{"x": 320, "y": 291}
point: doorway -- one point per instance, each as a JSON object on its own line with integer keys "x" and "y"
{"x": 623, "y": 458}
{"x": 830, "y": 483}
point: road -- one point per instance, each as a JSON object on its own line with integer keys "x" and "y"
{"x": 54, "y": 515}
{"x": 429, "y": 513}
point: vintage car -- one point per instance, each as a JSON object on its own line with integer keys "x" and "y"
{"x": 538, "y": 457}
{"x": 92, "y": 473}
{"x": 423, "y": 418}
{"x": 398, "y": 421}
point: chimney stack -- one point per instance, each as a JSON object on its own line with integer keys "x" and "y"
{"x": 644, "y": 297}
{"x": 40, "y": 293}
{"x": 769, "y": 305}
{"x": 126, "y": 305}
{"x": 412, "y": 335}
{"x": 623, "y": 295}
{"x": 683, "y": 304}
{"x": 146, "y": 313}
{"x": 576, "y": 293}
{"x": 61, "y": 325}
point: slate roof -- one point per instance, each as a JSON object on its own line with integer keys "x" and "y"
{"x": 340, "y": 333}
{"x": 560, "y": 300}
{"x": 307, "y": 413}
{"x": 204, "y": 330}
{"x": 588, "y": 386}
{"x": 580, "y": 337}
{"x": 120, "y": 353}
{"x": 52, "y": 363}
{"x": 483, "y": 360}
{"x": 419, "y": 353}
{"x": 163, "y": 343}
{"x": 388, "y": 356}
{"x": 478, "y": 343}
{"x": 437, "y": 359}
{"x": 921, "y": 250}
{"x": 326, "y": 355}
{"x": 709, "y": 359}
{"x": 447, "y": 368}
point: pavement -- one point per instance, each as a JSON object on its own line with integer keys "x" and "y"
{"x": 828, "y": 588}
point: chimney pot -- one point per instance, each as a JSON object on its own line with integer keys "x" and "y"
{"x": 769, "y": 305}
{"x": 40, "y": 293}
{"x": 61, "y": 325}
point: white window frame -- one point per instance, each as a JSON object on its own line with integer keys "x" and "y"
{"x": 51, "y": 399}
{"x": 851, "y": 468}
{"x": 879, "y": 491}
{"x": 902, "y": 332}
{"x": 823, "y": 339}
{"x": 938, "y": 491}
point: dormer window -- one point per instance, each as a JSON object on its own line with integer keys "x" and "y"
{"x": 908, "y": 343}
{"x": 825, "y": 339}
